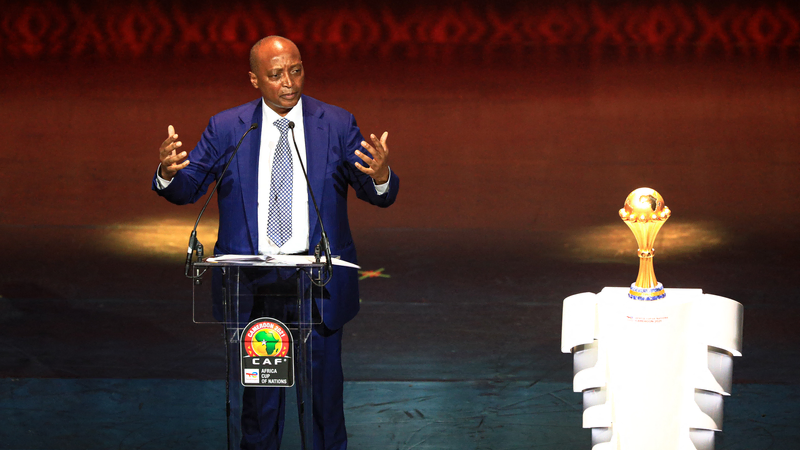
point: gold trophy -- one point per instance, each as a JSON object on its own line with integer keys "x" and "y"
{"x": 645, "y": 213}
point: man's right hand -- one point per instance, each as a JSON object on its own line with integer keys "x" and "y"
{"x": 171, "y": 160}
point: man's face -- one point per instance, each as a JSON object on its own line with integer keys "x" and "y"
{"x": 279, "y": 76}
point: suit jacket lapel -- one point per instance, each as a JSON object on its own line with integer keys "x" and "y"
{"x": 317, "y": 136}
{"x": 247, "y": 162}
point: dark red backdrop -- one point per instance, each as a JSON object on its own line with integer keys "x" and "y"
{"x": 75, "y": 29}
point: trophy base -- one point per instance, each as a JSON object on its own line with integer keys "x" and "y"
{"x": 647, "y": 294}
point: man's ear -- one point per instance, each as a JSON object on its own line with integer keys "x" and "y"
{"x": 253, "y": 80}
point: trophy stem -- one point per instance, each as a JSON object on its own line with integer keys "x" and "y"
{"x": 645, "y": 234}
{"x": 647, "y": 275}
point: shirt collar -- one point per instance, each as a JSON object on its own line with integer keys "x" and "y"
{"x": 295, "y": 114}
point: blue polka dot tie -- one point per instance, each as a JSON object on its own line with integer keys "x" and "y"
{"x": 279, "y": 222}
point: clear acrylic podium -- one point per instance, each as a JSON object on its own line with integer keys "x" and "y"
{"x": 233, "y": 294}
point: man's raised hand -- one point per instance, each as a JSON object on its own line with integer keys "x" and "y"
{"x": 376, "y": 166}
{"x": 171, "y": 160}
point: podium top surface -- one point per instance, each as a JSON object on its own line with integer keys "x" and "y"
{"x": 296, "y": 261}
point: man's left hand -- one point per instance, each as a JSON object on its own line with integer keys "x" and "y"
{"x": 377, "y": 166}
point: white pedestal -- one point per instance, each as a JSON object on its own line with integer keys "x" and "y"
{"x": 653, "y": 373}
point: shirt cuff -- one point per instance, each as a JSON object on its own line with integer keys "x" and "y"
{"x": 162, "y": 183}
{"x": 379, "y": 188}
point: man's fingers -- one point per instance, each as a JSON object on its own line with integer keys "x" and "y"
{"x": 366, "y": 170}
{"x": 172, "y": 169}
{"x": 172, "y": 159}
{"x": 169, "y": 149}
{"x": 378, "y": 144}
{"x": 169, "y": 141}
{"x": 379, "y": 151}
{"x": 171, "y": 136}
{"x": 373, "y": 156}
{"x": 384, "y": 138}
{"x": 364, "y": 157}
{"x": 180, "y": 166}
{"x": 368, "y": 147}
{"x": 166, "y": 143}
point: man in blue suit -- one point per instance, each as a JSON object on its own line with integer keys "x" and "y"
{"x": 265, "y": 208}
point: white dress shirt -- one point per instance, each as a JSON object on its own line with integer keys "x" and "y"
{"x": 270, "y": 135}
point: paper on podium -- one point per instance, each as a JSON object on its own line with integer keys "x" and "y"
{"x": 287, "y": 259}
{"x": 239, "y": 258}
{"x": 300, "y": 259}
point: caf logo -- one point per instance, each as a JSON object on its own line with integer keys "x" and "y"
{"x": 266, "y": 338}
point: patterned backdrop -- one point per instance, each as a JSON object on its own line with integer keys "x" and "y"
{"x": 79, "y": 29}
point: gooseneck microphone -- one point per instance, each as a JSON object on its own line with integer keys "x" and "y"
{"x": 194, "y": 244}
{"x": 324, "y": 245}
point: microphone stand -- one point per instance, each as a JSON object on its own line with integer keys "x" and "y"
{"x": 324, "y": 245}
{"x": 194, "y": 244}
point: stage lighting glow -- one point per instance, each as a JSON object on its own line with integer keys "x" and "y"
{"x": 167, "y": 239}
{"x": 160, "y": 238}
{"x": 612, "y": 243}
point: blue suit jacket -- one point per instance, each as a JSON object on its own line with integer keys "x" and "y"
{"x": 332, "y": 137}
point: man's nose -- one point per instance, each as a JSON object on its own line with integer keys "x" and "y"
{"x": 286, "y": 80}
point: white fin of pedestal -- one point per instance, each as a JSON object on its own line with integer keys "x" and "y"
{"x": 579, "y": 320}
